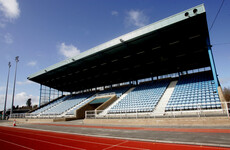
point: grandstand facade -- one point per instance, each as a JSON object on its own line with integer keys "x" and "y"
{"x": 164, "y": 67}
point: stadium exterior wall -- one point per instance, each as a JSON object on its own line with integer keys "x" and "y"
{"x": 33, "y": 120}
{"x": 209, "y": 121}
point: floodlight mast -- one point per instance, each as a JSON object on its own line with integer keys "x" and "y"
{"x": 4, "y": 111}
{"x": 15, "y": 75}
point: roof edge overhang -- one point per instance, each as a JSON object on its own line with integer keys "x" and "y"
{"x": 126, "y": 37}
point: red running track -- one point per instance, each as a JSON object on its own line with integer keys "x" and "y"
{"x": 12, "y": 138}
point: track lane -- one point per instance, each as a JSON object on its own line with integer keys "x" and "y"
{"x": 12, "y": 146}
{"x": 54, "y": 140}
{"x": 84, "y": 142}
{"x": 72, "y": 140}
{"x": 36, "y": 143}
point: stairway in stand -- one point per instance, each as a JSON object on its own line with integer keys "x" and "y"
{"x": 160, "y": 108}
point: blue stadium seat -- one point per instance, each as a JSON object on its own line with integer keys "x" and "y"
{"x": 194, "y": 90}
{"x": 143, "y": 98}
{"x": 38, "y": 111}
{"x": 67, "y": 104}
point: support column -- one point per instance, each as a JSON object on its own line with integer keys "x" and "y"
{"x": 39, "y": 104}
{"x": 49, "y": 94}
{"x": 213, "y": 67}
{"x": 7, "y": 83}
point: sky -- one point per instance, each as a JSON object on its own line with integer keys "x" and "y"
{"x": 44, "y": 32}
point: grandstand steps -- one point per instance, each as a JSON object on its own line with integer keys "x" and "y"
{"x": 160, "y": 108}
{"x": 120, "y": 98}
{"x": 86, "y": 101}
{"x": 53, "y": 104}
{"x": 43, "y": 112}
{"x": 49, "y": 108}
{"x": 57, "y": 104}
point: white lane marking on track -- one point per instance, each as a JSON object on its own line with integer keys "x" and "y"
{"x": 16, "y": 144}
{"x": 98, "y": 143}
{"x": 132, "y": 139}
{"x": 44, "y": 141}
{"x": 115, "y": 145}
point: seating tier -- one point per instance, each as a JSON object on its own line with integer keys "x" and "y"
{"x": 193, "y": 92}
{"x": 143, "y": 98}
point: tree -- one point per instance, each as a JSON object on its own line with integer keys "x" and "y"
{"x": 226, "y": 92}
{"x": 29, "y": 103}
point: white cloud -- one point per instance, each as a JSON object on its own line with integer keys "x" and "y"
{"x": 9, "y": 11}
{"x": 8, "y": 39}
{"x": 225, "y": 81}
{"x": 10, "y": 8}
{"x": 136, "y": 18}
{"x": 24, "y": 82}
{"x": 19, "y": 99}
{"x": 32, "y": 63}
{"x": 2, "y": 88}
{"x": 114, "y": 13}
{"x": 2, "y": 25}
{"x": 2, "y": 100}
{"x": 68, "y": 50}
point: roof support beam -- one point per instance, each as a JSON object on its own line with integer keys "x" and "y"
{"x": 213, "y": 67}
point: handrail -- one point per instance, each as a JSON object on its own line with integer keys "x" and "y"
{"x": 197, "y": 111}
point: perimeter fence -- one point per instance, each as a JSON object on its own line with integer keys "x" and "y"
{"x": 187, "y": 110}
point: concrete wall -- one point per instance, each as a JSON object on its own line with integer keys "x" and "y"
{"x": 222, "y": 98}
{"x": 221, "y": 94}
{"x": 208, "y": 121}
{"x": 80, "y": 113}
{"x": 24, "y": 120}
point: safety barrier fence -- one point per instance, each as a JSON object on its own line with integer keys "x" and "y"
{"x": 187, "y": 110}
{"x": 105, "y": 94}
{"x": 194, "y": 110}
{"x": 37, "y": 116}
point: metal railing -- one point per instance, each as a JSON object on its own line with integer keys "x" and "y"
{"x": 18, "y": 115}
{"x": 105, "y": 94}
{"x": 35, "y": 116}
{"x": 187, "y": 110}
{"x": 194, "y": 110}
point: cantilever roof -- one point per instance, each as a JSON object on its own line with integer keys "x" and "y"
{"x": 166, "y": 46}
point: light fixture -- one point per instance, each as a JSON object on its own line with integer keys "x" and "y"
{"x": 186, "y": 14}
{"x": 195, "y": 11}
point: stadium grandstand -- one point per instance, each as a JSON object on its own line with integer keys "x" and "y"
{"x": 161, "y": 70}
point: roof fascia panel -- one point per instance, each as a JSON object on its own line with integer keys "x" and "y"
{"x": 127, "y": 37}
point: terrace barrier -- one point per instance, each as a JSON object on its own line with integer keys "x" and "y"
{"x": 194, "y": 110}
